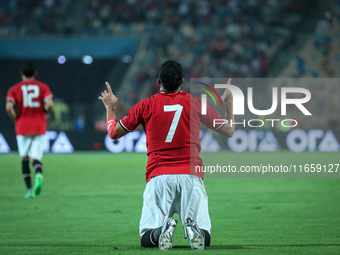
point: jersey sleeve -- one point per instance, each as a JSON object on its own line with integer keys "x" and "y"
{"x": 46, "y": 94}
{"x": 10, "y": 96}
{"x": 131, "y": 121}
{"x": 212, "y": 119}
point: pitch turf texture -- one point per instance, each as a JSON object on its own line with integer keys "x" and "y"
{"x": 91, "y": 204}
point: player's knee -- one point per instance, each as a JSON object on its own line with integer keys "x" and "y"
{"x": 37, "y": 165}
{"x": 207, "y": 237}
{"x": 36, "y": 162}
{"x": 146, "y": 241}
{"x": 25, "y": 158}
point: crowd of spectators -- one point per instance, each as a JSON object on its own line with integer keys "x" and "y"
{"x": 32, "y": 18}
{"x": 320, "y": 61}
{"x": 210, "y": 38}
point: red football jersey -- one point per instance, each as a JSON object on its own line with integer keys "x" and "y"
{"x": 30, "y": 96}
{"x": 171, "y": 122}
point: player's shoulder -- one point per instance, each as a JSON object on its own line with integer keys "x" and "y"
{"x": 185, "y": 95}
{"x": 143, "y": 104}
{"x": 41, "y": 84}
{"x": 180, "y": 96}
{"x": 29, "y": 82}
{"x": 195, "y": 99}
{"x": 16, "y": 86}
{"x": 145, "y": 101}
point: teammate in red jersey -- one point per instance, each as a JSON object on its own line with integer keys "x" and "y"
{"x": 33, "y": 99}
{"x": 171, "y": 120}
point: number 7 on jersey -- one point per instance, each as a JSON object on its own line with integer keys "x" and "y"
{"x": 178, "y": 110}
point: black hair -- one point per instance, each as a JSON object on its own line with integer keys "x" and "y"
{"x": 28, "y": 69}
{"x": 171, "y": 75}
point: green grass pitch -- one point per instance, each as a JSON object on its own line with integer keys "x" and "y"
{"x": 91, "y": 204}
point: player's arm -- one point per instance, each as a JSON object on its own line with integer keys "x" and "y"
{"x": 228, "y": 130}
{"x": 10, "y": 110}
{"x": 114, "y": 128}
{"x": 48, "y": 105}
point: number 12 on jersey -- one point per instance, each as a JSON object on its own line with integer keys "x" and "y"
{"x": 178, "y": 110}
{"x": 29, "y": 93}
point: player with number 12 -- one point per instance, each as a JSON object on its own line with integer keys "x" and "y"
{"x": 33, "y": 99}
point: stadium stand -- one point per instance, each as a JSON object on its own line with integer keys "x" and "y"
{"x": 319, "y": 58}
{"x": 32, "y": 18}
{"x": 211, "y": 38}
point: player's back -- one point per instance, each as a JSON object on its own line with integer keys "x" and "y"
{"x": 168, "y": 121}
{"x": 170, "y": 132}
{"x": 29, "y": 96}
{"x": 171, "y": 122}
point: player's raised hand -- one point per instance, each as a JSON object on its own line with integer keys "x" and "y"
{"x": 108, "y": 88}
{"x": 227, "y": 95}
{"x": 114, "y": 99}
{"x": 107, "y": 97}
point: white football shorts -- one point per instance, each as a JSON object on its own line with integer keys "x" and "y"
{"x": 31, "y": 146}
{"x": 167, "y": 194}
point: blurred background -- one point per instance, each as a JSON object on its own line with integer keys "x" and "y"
{"x": 78, "y": 45}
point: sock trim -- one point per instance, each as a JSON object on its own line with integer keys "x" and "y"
{"x": 36, "y": 166}
{"x": 151, "y": 237}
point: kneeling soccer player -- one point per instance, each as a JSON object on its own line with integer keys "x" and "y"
{"x": 172, "y": 138}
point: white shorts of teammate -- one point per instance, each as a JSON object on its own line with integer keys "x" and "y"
{"x": 31, "y": 146}
{"x": 165, "y": 195}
